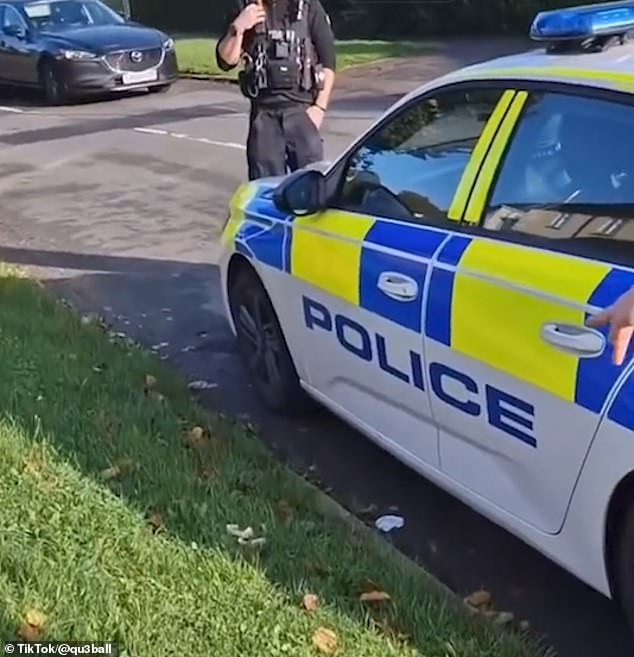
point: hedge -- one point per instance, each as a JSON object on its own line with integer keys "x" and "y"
{"x": 366, "y": 19}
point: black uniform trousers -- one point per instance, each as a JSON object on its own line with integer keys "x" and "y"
{"x": 281, "y": 139}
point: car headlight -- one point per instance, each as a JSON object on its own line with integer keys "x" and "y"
{"x": 78, "y": 54}
{"x": 168, "y": 45}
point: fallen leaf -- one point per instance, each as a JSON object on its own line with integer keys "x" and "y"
{"x": 118, "y": 469}
{"x": 375, "y": 596}
{"x": 310, "y": 602}
{"x": 29, "y": 632}
{"x": 35, "y": 618}
{"x": 196, "y": 437}
{"x": 479, "y": 599}
{"x": 524, "y": 625}
{"x": 150, "y": 382}
{"x": 244, "y": 534}
{"x": 34, "y": 461}
{"x": 325, "y": 641}
{"x": 157, "y": 523}
{"x": 110, "y": 473}
{"x": 31, "y": 628}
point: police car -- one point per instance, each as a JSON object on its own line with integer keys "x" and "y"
{"x": 432, "y": 286}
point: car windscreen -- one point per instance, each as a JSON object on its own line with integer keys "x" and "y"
{"x": 70, "y": 14}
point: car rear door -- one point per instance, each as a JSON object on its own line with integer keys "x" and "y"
{"x": 519, "y": 382}
{"x": 358, "y": 272}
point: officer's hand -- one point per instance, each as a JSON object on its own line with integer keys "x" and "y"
{"x": 316, "y": 115}
{"x": 620, "y": 317}
{"x": 249, "y": 17}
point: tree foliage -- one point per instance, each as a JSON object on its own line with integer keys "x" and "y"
{"x": 365, "y": 19}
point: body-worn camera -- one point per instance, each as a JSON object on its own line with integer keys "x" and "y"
{"x": 282, "y": 68}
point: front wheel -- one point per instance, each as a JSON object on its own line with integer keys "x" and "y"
{"x": 52, "y": 84}
{"x": 263, "y": 348}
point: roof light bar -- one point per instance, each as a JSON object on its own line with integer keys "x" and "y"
{"x": 584, "y": 22}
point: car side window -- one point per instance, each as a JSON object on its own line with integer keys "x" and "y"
{"x": 9, "y": 17}
{"x": 411, "y": 166}
{"x": 568, "y": 176}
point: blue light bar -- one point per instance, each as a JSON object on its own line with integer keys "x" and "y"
{"x": 575, "y": 23}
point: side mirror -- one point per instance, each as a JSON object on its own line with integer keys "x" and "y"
{"x": 302, "y": 193}
{"x": 16, "y": 31}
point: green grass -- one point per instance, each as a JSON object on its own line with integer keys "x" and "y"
{"x": 196, "y": 56}
{"x": 96, "y": 456}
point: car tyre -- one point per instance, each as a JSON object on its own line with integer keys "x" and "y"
{"x": 263, "y": 348}
{"x": 53, "y": 86}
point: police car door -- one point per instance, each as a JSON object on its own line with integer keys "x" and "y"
{"x": 361, "y": 267}
{"x": 519, "y": 382}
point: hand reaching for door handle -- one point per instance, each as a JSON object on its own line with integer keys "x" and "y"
{"x": 620, "y": 317}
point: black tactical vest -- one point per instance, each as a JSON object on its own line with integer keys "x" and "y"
{"x": 280, "y": 58}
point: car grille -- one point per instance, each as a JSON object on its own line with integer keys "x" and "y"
{"x": 129, "y": 59}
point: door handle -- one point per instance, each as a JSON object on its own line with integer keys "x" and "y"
{"x": 580, "y": 341}
{"x": 398, "y": 286}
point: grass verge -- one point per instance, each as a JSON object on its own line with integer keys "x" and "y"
{"x": 116, "y": 495}
{"x": 196, "y": 56}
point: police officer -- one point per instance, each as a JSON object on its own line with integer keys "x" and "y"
{"x": 288, "y": 49}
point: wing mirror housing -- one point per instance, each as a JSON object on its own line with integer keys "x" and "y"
{"x": 16, "y": 31}
{"x": 302, "y": 193}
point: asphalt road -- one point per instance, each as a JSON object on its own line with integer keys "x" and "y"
{"x": 118, "y": 206}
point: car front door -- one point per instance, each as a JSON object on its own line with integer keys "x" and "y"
{"x": 359, "y": 270}
{"x": 18, "y": 58}
{"x": 519, "y": 382}
{"x": 5, "y": 50}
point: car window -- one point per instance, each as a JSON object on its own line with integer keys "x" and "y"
{"x": 568, "y": 175}
{"x": 9, "y": 17}
{"x": 411, "y": 166}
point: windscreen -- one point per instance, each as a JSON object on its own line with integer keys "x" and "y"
{"x": 66, "y": 14}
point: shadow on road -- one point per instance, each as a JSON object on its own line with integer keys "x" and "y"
{"x": 174, "y": 307}
{"x": 100, "y": 124}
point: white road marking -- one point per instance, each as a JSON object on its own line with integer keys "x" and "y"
{"x": 199, "y": 140}
{"x": 152, "y": 131}
{"x": 12, "y": 110}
